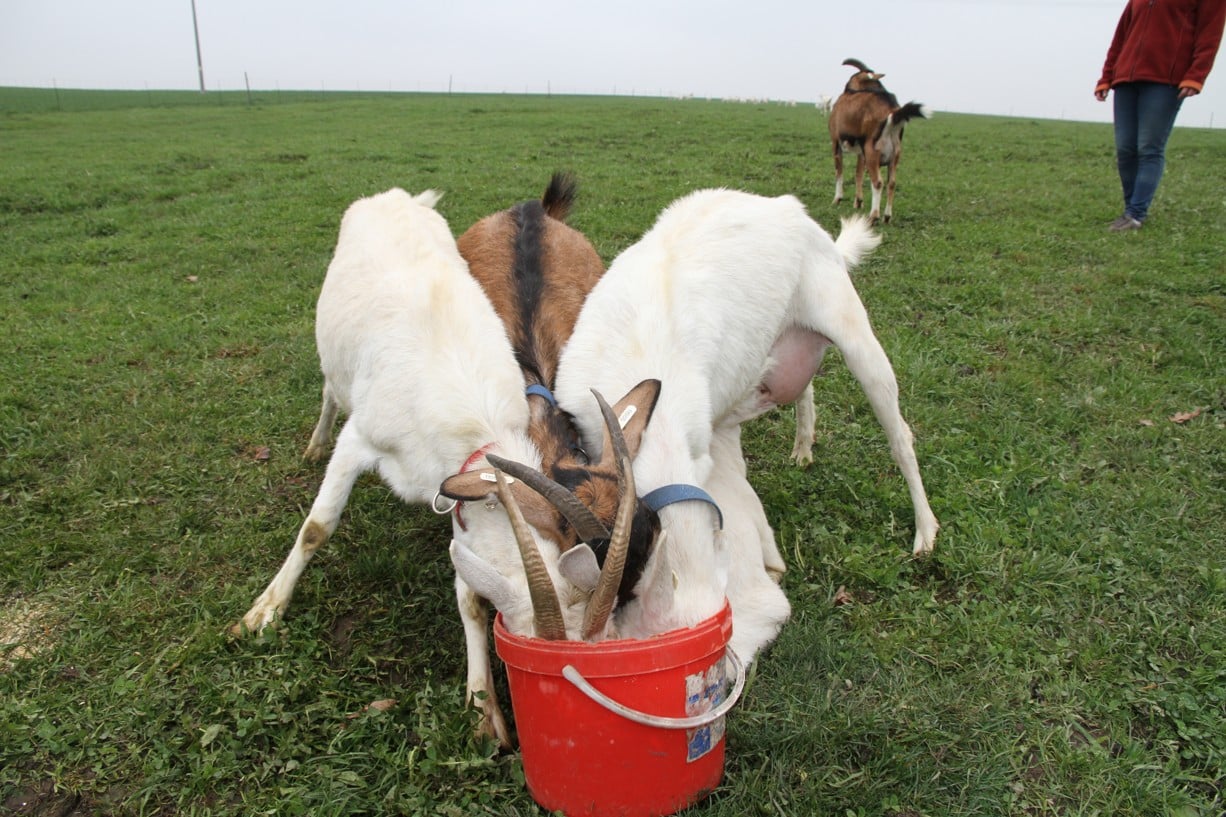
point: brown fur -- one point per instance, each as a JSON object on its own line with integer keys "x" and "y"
{"x": 595, "y": 484}
{"x": 857, "y": 121}
{"x": 498, "y": 248}
{"x": 314, "y": 536}
{"x": 570, "y": 267}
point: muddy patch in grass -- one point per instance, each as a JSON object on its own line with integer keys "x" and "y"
{"x": 28, "y": 627}
{"x": 43, "y": 800}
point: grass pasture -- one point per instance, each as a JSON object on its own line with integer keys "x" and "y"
{"x": 1064, "y": 653}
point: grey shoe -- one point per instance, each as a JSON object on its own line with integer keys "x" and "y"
{"x": 1123, "y": 224}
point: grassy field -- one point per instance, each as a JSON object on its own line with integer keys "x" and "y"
{"x": 1064, "y": 653}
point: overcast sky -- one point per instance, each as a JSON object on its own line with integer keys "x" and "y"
{"x": 1032, "y": 58}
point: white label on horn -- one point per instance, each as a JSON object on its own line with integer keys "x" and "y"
{"x": 629, "y": 412}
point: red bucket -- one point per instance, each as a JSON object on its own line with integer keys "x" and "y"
{"x": 628, "y": 728}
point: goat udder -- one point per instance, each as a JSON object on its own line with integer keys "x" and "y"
{"x": 797, "y": 354}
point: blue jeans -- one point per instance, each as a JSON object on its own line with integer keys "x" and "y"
{"x": 1144, "y": 115}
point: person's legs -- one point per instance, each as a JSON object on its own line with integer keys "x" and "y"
{"x": 1156, "y": 108}
{"x": 1125, "y": 98}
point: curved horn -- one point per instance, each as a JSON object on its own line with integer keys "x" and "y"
{"x": 859, "y": 66}
{"x": 600, "y": 607}
{"x": 581, "y": 518}
{"x": 546, "y": 611}
{"x": 620, "y": 449}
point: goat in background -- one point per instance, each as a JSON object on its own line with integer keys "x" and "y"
{"x": 867, "y": 118}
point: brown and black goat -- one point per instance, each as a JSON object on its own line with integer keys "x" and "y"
{"x": 867, "y": 118}
{"x": 537, "y": 271}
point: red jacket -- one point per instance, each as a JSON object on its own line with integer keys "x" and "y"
{"x": 1168, "y": 41}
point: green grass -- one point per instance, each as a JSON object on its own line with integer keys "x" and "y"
{"x": 1064, "y": 653}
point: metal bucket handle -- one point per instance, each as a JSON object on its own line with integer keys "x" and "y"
{"x": 693, "y": 722}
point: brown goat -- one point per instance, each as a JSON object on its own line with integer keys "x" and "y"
{"x": 867, "y": 118}
{"x": 537, "y": 272}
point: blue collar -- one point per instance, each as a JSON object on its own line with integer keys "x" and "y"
{"x": 541, "y": 391}
{"x": 668, "y": 494}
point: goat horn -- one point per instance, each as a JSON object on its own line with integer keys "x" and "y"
{"x": 586, "y": 524}
{"x": 546, "y": 611}
{"x": 600, "y": 607}
{"x": 620, "y": 449}
{"x": 859, "y": 66}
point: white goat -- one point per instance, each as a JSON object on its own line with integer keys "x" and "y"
{"x": 412, "y": 351}
{"x": 759, "y": 605}
{"x": 730, "y": 300}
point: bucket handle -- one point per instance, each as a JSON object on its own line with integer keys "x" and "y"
{"x": 692, "y": 722}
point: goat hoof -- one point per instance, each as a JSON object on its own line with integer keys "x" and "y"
{"x": 241, "y": 629}
{"x": 258, "y": 619}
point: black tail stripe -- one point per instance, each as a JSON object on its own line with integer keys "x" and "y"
{"x": 528, "y": 274}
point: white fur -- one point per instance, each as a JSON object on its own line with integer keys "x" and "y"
{"x": 705, "y": 301}
{"x": 759, "y": 605}
{"x": 412, "y": 351}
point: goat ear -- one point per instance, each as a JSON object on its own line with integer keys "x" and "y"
{"x": 723, "y": 559}
{"x": 469, "y": 486}
{"x": 658, "y": 585}
{"x": 475, "y": 486}
{"x": 634, "y": 412}
{"x": 482, "y": 578}
{"x": 537, "y": 510}
{"x": 579, "y": 566}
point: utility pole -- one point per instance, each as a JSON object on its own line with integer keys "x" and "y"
{"x": 199, "y": 61}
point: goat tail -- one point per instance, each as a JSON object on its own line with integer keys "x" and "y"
{"x": 912, "y": 110}
{"x": 560, "y": 195}
{"x": 428, "y": 198}
{"x": 856, "y": 240}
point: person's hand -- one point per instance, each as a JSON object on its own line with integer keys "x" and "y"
{"x": 1185, "y": 92}
{"x": 1101, "y": 94}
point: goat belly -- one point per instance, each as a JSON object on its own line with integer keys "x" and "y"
{"x": 797, "y": 354}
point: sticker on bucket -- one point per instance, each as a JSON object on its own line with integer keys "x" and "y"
{"x": 704, "y": 691}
